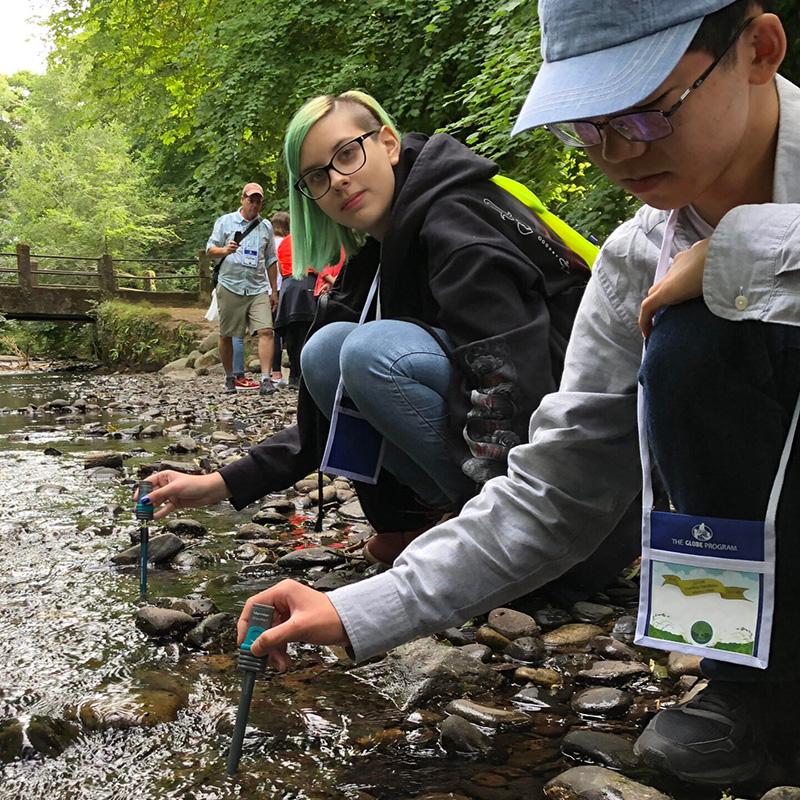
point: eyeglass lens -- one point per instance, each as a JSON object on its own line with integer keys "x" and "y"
{"x": 346, "y": 160}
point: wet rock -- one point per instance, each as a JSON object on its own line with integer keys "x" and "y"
{"x": 571, "y": 635}
{"x": 608, "y": 672}
{"x": 512, "y": 624}
{"x": 247, "y": 551}
{"x": 530, "y": 699}
{"x": 50, "y": 488}
{"x": 487, "y": 715}
{"x": 184, "y": 445}
{"x": 52, "y": 451}
{"x": 604, "y": 749}
{"x": 186, "y": 527}
{"x": 592, "y": 612}
{"x": 328, "y": 494}
{"x": 310, "y": 557}
{"x": 602, "y": 702}
{"x": 50, "y": 736}
{"x": 213, "y": 628}
{"x": 416, "y": 672}
{"x": 624, "y": 629}
{"x": 280, "y": 505}
{"x": 103, "y": 474}
{"x": 10, "y": 739}
{"x": 541, "y": 676}
{"x": 163, "y": 622}
{"x": 527, "y": 648}
{"x": 459, "y": 636}
{"x": 598, "y": 783}
{"x": 224, "y": 437}
{"x": 679, "y": 664}
{"x": 157, "y": 699}
{"x": 460, "y": 736}
{"x": 611, "y": 648}
{"x": 335, "y": 580}
{"x": 194, "y": 558}
{"x": 310, "y": 482}
{"x": 479, "y": 651}
{"x": 161, "y": 548}
{"x": 196, "y": 607}
{"x": 151, "y": 431}
{"x": 783, "y": 793}
{"x": 251, "y": 530}
{"x": 92, "y": 460}
{"x": 492, "y": 638}
{"x": 352, "y": 510}
{"x": 269, "y": 517}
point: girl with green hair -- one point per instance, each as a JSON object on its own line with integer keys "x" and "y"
{"x": 475, "y": 302}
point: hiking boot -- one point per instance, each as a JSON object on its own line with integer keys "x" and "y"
{"x": 267, "y": 387}
{"x": 230, "y": 384}
{"x": 714, "y": 739}
{"x": 245, "y": 383}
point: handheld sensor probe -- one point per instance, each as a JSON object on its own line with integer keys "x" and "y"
{"x": 251, "y": 666}
{"x": 144, "y": 513}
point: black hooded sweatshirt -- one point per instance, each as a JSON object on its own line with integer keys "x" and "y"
{"x": 463, "y": 255}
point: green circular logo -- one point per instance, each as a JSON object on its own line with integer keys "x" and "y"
{"x": 702, "y": 632}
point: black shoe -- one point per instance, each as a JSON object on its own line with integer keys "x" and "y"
{"x": 714, "y": 739}
{"x": 230, "y": 385}
{"x": 267, "y": 387}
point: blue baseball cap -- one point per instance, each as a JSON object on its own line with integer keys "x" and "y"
{"x": 603, "y": 56}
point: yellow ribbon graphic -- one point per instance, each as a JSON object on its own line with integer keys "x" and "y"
{"x": 696, "y": 586}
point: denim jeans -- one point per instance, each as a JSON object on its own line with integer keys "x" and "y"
{"x": 398, "y": 376}
{"x": 238, "y": 355}
{"x": 720, "y": 398}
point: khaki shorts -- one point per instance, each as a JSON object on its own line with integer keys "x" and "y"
{"x": 240, "y": 315}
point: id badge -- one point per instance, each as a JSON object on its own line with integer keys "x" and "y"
{"x": 249, "y": 257}
{"x": 707, "y": 587}
{"x": 354, "y": 448}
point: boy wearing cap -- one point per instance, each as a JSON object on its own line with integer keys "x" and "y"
{"x": 247, "y": 290}
{"x": 680, "y": 104}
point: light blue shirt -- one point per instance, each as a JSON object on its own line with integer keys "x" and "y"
{"x": 245, "y": 271}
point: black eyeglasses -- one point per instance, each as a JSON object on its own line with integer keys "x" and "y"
{"x": 349, "y": 158}
{"x": 636, "y": 126}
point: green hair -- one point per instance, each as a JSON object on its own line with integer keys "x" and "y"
{"x": 316, "y": 239}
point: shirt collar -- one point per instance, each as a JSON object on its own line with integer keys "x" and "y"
{"x": 786, "y": 180}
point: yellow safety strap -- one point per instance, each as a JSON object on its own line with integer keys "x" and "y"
{"x": 571, "y": 238}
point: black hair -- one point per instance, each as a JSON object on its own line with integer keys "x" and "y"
{"x": 717, "y": 29}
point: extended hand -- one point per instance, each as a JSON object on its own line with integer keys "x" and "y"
{"x": 302, "y": 614}
{"x": 177, "y": 490}
{"x": 683, "y": 282}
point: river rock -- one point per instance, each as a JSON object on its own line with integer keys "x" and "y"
{"x": 571, "y": 635}
{"x": 103, "y": 474}
{"x": 459, "y": 636}
{"x": 487, "y": 715}
{"x": 604, "y": 749}
{"x": 479, "y": 651}
{"x": 679, "y": 664}
{"x": 527, "y": 648}
{"x": 352, "y": 510}
{"x": 163, "y": 622}
{"x": 541, "y": 676}
{"x": 102, "y": 459}
{"x": 182, "y": 375}
{"x": 783, "y": 793}
{"x": 612, "y": 672}
{"x": 208, "y": 359}
{"x": 512, "y": 624}
{"x": 161, "y": 548}
{"x": 52, "y": 451}
{"x": 549, "y": 618}
{"x": 269, "y": 517}
{"x": 624, "y": 629}
{"x": 10, "y": 739}
{"x": 186, "y": 527}
{"x": 492, "y": 638}
{"x": 251, "y": 530}
{"x": 224, "y": 437}
{"x": 196, "y": 607}
{"x": 209, "y": 343}
{"x": 212, "y": 628}
{"x": 280, "y": 505}
{"x": 530, "y": 699}
{"x": 184, "y": 445}
{"x": 460, "y": 736}
{"x": 178, "y": 363}
{"x": 151, "y": 431}
{"x": 598, "y": 783}
{"x": 335, "y": 580}
{"x": 50, "y": 736}
{"x": 611, "y": 648}
{"x": 310, "y": 557}
{"x": 50, "y": 488}
{"x": 602, "y": 702}
{"x": 328, "y": 494}
{"x": 593, "y": 613}
{"x": 415, "y": 672}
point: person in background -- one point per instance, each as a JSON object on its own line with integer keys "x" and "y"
{"x": 247, "y": 288}
{"x": 280, "y": 227}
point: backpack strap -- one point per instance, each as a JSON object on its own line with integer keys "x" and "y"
{"x": 571, "y": 238}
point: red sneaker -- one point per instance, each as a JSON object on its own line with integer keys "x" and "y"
{"x": 246, "y": 383}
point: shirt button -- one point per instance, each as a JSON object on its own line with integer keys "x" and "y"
{"x": 740, "y": 302}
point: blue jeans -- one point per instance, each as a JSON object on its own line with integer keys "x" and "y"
{"x": 398, "y": 376}
{"x": 720, "y": 397}
{"x": 238, "y": 355}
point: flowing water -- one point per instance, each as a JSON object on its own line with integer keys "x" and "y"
{"x": 67, "y": 635}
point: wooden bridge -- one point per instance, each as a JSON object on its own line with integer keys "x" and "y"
{"x": 27, "y": 291}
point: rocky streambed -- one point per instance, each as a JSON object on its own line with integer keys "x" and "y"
{"x": 106, "y": 696}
